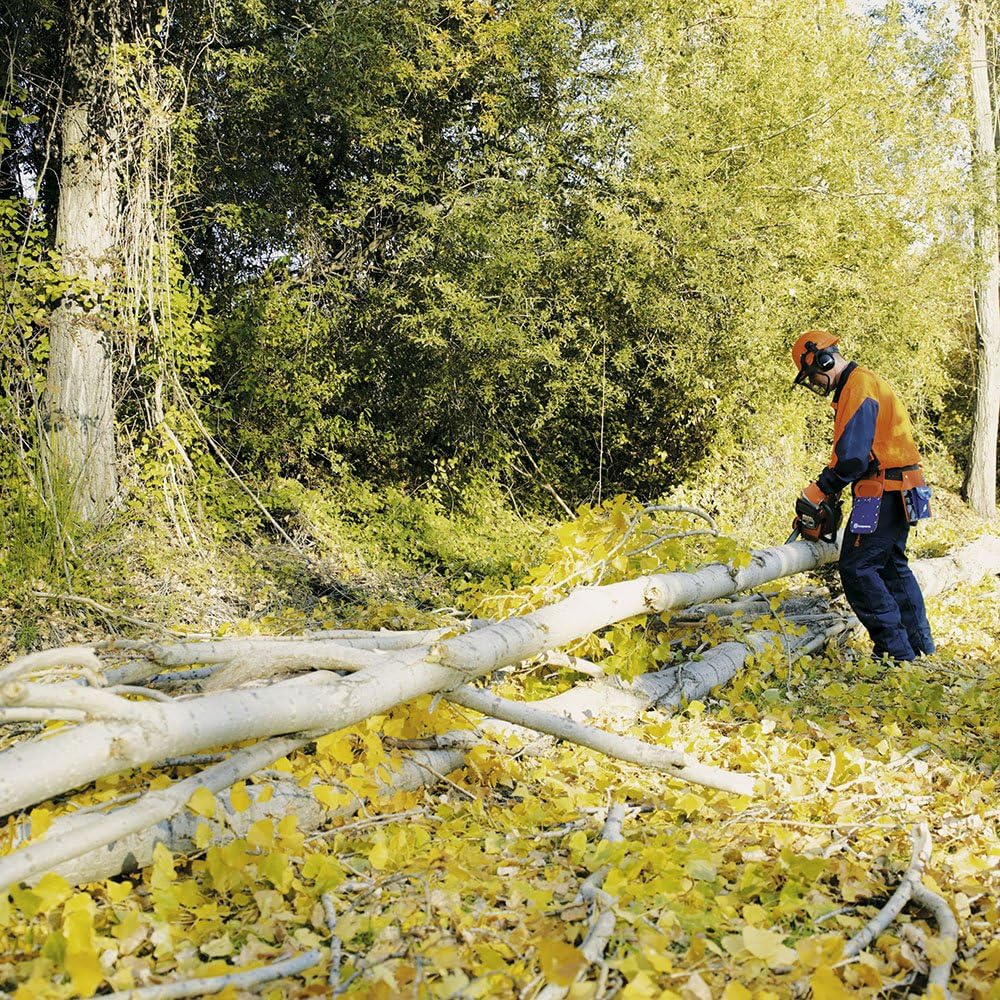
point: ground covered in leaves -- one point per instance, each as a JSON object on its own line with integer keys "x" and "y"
{"x": 469, "y": 888}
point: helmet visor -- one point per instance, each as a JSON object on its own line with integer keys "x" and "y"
{"x": 814, "y": 380}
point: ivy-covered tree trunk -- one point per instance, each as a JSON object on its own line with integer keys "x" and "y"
{"x": 981, "y": 480}
{"x": 79, "y": 385}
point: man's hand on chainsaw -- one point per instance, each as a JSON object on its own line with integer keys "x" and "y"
{"x": 817, "y": 515}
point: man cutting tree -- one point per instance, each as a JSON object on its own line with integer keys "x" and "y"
{"x": 874, "y": 454}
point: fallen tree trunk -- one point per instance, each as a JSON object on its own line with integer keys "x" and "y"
{"x": 392, "y": 674}
{"x": 969, "y": 564}
{"x": 38, "y": 770}
{"x": 86, "y": 847}
{"x": 673, "y": 686}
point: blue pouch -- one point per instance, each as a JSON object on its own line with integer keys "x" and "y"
{"x": 918, "y": 503}
{"x": 866, "y": 507}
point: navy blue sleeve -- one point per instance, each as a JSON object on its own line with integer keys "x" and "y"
{"x": 853, "y": 449}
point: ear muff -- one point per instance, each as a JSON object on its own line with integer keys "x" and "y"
{"x": 823, "y": 359}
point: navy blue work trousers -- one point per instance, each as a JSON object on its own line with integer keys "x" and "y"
{"x": 880, "y": 586}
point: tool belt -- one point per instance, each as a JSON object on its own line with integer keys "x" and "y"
{"x": 906, "y": 477}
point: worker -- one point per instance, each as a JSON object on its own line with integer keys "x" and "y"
{"x": 874, "y": 454}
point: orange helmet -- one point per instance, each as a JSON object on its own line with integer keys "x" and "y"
{"x": 813, "y": 354}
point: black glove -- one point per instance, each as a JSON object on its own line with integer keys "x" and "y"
{"x": 818, "y": 521}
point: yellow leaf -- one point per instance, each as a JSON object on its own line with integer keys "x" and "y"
{"x": 81, "y": 961}
{"x": 988, "y": 960}
{"x": 821, "y": 949}
{"x": 85, "y": 971}
{"x": 117, "y": 891}
{"x": 639, "y": 988}
{"x": 332, "y": 798}
{"x": 337, "y": 747}
{"x": 51, "y": 890}
{"x": 560, "y": 961}
{"x": 261, "y": 834}
{"x": 128, "y": 927}
{"x": 202, "y": 835}
{"x": 265, "y": 794}
{"x": 288, "y": 832}
{"x": 736, "y": 991}
{"x": 690, "y": 803}
{"x": 768, "y": 946}
{"x": 239, "y": 797}
{"x": 826, "y": 986}
{"x": 378, "y": 857}
{"x": 696, "y": 989}
{"x": 218, "y": 948}
{"x": 202, "y": 802}
{"x": 733, "y": 943}
{"x": 41, "y": 820}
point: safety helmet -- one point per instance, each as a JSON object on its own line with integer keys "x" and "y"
{"x": 814, "y": 354}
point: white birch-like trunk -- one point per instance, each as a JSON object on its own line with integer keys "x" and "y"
{"x": 981, "y": 478}
{"x": 80, "y": 412}
{"x": 91, "y": 846}
{"x": 145, "y": 732}
{"x": 35, "y": 771}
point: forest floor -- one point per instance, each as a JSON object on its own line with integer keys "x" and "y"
{"x": 469, "y": 888}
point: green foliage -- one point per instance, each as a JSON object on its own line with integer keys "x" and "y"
{"x": 31, "y": 538}
{"x": 562, "y": 247}
{"x": 546, "y": 267}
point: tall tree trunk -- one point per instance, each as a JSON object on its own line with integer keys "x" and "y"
{"x": 78, "y": 390}
{"x": 981, "y": 480}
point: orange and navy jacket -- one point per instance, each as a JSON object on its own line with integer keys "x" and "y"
{"x": 870, "y": 425}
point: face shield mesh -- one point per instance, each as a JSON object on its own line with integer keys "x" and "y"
{"x": 810, "y": 375}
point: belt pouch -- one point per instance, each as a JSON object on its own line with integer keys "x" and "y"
{"x": 916, "y": 496}
{"x": 867, "y": 503}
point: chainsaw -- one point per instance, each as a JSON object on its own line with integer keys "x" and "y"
{"x": 818, "y": 523}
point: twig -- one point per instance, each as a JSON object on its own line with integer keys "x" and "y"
{"x": 215, "y": 984}
{"x": 909, "y": 755}
{"x": 109, "y": 804}
{"x": 671, "y": 762}
{"x": 66, "y": 656}
{"x": 366, "y": 966}
{"x": 948, "y": 928}
{"x": 10, "y": 716}
{"x": 361, "y": 824}
{"x": 93, "y": 702}
{"x": 335, "y": 942}
{"x": 143, "y": 692}
{"x": 602, "y": 924}
{"x": 833, "y": 913}
{"x": 911, "y": 877}
{"x": 660, "y": 539}
{"x": 114, "y": 612}
{"x": 446, "y": 780}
